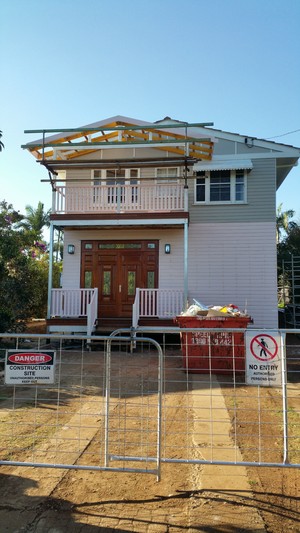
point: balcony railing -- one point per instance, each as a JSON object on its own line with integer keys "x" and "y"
{"x": 71, "y": 303}
{"x": 69, "y": 199}
{"x": 76, "y": 303}
{"x": 158, "y": 303}
{"x": 149, "y": 303}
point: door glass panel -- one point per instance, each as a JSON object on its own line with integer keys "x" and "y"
{"x": 135, "y": 245}
{"x": 115, "y": 177}
{"x": 119, "y": 246}
{"x": 134, "y": 173}
{"x": 107, "y": 246}
{"x": 131, "y": 283}
{"x": 106, "y": 291}
{"x": 88, "y": 246}
{"x": 150, "y": 280}
{"x": 88, "y": 279}
{"x": 151, "y": 245}
{"x": 96, "y": 185}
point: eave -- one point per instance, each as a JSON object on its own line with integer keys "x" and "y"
{"x": 65, "y": 164}
{"x": 119, "y": 221}
{"x": 72, "y": 144}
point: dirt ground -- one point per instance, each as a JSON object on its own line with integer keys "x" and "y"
{"x": 57, "y": 500}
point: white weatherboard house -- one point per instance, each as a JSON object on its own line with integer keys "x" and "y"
{"x": 156, "y": 214}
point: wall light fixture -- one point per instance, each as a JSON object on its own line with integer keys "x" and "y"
{"x": 71, "y": 249}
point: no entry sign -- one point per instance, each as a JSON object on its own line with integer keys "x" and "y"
{"x": 263, "y": 358}
{"x": 28, "y": 367}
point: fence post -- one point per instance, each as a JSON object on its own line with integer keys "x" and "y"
{"x": 284, "y": 399}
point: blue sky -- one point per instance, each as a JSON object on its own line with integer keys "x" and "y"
{"x": 67, "y": 63}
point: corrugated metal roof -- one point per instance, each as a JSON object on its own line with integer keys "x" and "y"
{"x": 237, "y": 164}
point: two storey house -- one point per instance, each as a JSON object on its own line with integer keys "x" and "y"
{"x": 157, "y": 214}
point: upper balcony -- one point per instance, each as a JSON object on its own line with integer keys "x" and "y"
{"x": 114, "y": 199}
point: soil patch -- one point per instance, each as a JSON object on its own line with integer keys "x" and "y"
{"x": 44, "y": 500}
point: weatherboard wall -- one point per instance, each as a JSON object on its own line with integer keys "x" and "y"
{"x": 235, "y": 263}
{"x": 168, "y": 263}
{"x": 260, "y": 205}
{"x": 228, "y": 263}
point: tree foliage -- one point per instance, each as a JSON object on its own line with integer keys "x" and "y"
{"x": 284, "y": 223}
{"x": 23, "y": 269}
{"x": 288, "y": 245}
{"x": 288, "y": 234}
{"x": 35, "y": 220}
{"x": 1, "y": 143}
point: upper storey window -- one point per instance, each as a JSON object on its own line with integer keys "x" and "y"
{"x": 121, "y": 184}
{"x": 116, "y": 176}
{"x": 221, "y": 186}
{"x": 167, "y": 174}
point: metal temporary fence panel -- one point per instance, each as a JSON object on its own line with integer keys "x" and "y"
{"x": 111, "y": 408}
{"x": 133, "y": 405}
{"x": 213, "y": 411}
{"x": 93, "y": 407}
{"x": 56, "y": 423}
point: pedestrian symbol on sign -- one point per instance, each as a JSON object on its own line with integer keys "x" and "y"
{"x": 264, "y": 347}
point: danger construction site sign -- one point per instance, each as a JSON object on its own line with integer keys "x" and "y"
{"x": 263, "y": 358}
{"x": 28, "y": 367}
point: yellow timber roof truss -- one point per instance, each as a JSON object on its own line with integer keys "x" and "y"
{"x": 74, "y": 143}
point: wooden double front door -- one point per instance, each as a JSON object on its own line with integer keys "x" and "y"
{"x": 117, "y": 268}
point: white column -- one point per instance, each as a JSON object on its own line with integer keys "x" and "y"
{"x": 50, "y": 273}
{"x": 185, "y": 265}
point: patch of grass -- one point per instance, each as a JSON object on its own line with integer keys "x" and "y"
{"x": 253, "y": 483}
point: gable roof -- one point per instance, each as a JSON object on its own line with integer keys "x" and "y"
{"x": 194, "y": 141}
{"x": 286, "y": 156}
{"x": 168, "y": 135}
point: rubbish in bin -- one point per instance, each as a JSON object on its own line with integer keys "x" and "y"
{"x": 199, "y": 309}
{"x": 195, "y": 310}
{"x": 202, "y": 306}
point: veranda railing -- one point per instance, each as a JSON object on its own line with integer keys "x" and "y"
{"x": 118, "y": 198}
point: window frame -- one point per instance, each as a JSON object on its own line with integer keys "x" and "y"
{"x": 116, "y": 183}
{"x": 103, "y": 179}
{"x": 234, "y": 174}
{"x": 166, "y": 178}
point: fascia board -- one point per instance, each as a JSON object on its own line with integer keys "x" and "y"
{"x": 260, "y": 143}
{"x": 118, "y": 222}
{"x": 266, "y": 155}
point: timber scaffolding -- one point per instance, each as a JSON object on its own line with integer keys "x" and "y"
{"x": 187, "y": 150}
{"x": 290, "y": 291}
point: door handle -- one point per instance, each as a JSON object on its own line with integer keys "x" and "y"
{"x": 120, "y": 288}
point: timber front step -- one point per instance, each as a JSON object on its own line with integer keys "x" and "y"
{"x": 111, "y": 324}
{"x": 67, "y": 325}
{"x": 66, "y": 321}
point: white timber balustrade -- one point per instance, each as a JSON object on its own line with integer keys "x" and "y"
{"x": 71, "y": 302}
{"x": 92, "y": 312}
{"x": 160, "y": 303}
{"x": 118, "y": 198}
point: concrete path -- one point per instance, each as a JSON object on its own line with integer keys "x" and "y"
{"x": 211, "y": 435}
